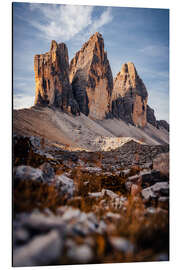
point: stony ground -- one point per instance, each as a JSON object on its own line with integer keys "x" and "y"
{"x": 89, "y": 207}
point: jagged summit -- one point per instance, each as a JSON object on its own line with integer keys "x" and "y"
{"x": 52, "y": 79}
{"x": 129, "y": 67}
{"x": 128, "y": 79}
{"x": 91, "y": 78}
{"x": 129, "y": 96}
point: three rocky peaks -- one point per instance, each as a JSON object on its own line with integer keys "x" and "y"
{"x": 87, "y": 85}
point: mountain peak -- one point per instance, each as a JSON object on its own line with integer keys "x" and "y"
{"x": 54, "y": 45}
{"x": 52, "y": 79}
{"x": 129, "y": 68}
{"x": 129, "y": 96}
{"x": 91, "y": 78}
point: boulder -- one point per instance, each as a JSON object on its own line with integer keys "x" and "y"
{"x": 155, "y": 191}
{"x": 80, "y": 254}
{"x": 161, "y": 163}
{"x": 65, "y": 185}
{"x": 42, "y": 250}
{"x": 121, "y": 244}
{"x": 26, "y": 173}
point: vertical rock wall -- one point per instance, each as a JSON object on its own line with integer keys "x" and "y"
{"x": 91, "y": 78}
{"x": 52, "y": 79}
{"x": 129, "y": 96}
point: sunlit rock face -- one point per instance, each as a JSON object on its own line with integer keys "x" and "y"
{"x": 129, "y": 96}
{"x": 91, "y": 78}
{"x": 52, "y": 79}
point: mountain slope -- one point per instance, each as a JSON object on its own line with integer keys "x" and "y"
{"x": 80, "y": 132}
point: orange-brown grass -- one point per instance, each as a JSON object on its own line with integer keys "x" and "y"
{"x": 28, "y": 195}
{"x": 149, "y": 231}
{"x": 135, "y": 169}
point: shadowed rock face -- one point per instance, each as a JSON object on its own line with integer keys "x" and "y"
{"x": 52, "y": 79}
{"x": 129, "y": 96}
{"x": 151, "y": 117}
{"x": 163, "y": 124}
{"x": 91, "y": 78}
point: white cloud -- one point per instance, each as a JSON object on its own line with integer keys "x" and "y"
{"x": 61, "y": 22}
{"x": 21, "y": 101}
{"x": 104, "y": 18}
{"x": 64, "y": 22}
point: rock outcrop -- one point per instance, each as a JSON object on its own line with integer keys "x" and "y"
{"x": 154, "y": 122}
{"x": 151, "y": 117}
{"x": 129, "y": 96}
{"x": 52, "y": 79}
{"x": 91, "y": 78}
{"x": 163, "y": 124}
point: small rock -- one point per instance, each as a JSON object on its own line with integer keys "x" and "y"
{"x": 95, "y": 194}
{"x": 41, "y": 223}
{"x": 92, "y": 169}
{"x": 80, "y": 254}
{"x": 42, "y": 250}
{"x": 156, "y": 190}
{"x": 121, "y": 244}
{"x": 28, "y": 173}
{"x": 151, "y": 210}
{"x": 48, "y": 172}
{"x": 109, "y": 193}
{"x": 125, "y": 173}
{"x": 147, "y": 165}
{"x": 71, "y": 213}
{"x": 20, "y": 236}
{"x": 163, "y": 199}
{"x": 112, "y": 215}
{"x": 102, "y": 227}
{"x": 161, "y": 163}
{"x": 65, "y": 184}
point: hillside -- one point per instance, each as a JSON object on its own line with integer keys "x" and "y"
{"x": 80, "y": 132}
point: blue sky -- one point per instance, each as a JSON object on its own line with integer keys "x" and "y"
{"x": 130, "y": 34}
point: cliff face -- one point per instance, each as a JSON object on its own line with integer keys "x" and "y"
{"x": 91, "y": 78}
{"x": 52, "y": 79}
{"x": 129, "y": 96}
{"x": 151, "y": 117}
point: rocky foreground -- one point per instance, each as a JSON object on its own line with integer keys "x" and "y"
{"x": 89, "y": 207}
